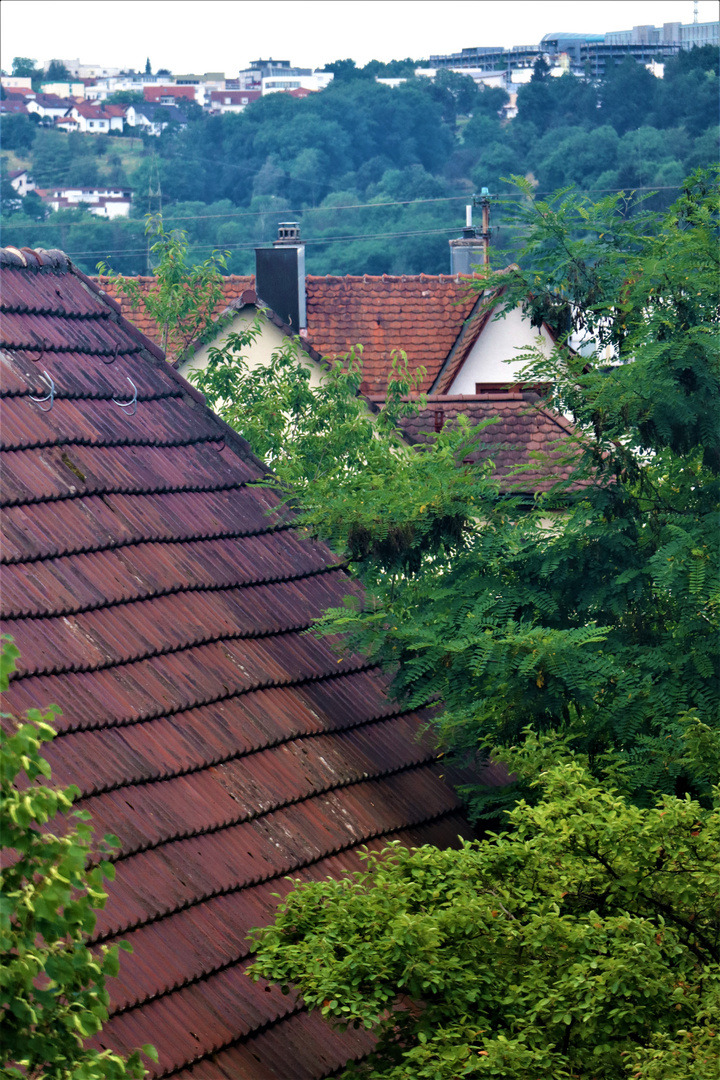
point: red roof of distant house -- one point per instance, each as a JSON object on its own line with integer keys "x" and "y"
{"x": 13, "y": 107}
{"x": 114, "y": 110}
{"x": 423, "y": 315}
{"x": 91, "y": 111}
{"x": 527, "y": 434}
{"x": 234, "y": 286}
{"x": 300, "y": 92}
{"x": 234, "y": 97}
{"x": 52, "y": 101}
{"x": 19, "y": 94}
{"x": 154, "y": 93}
{"x": 160, "y": 600}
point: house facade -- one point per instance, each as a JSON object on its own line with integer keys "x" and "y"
{"x": 103, "y": 202}
{"x": 22, "y": 182}
{"x": 232, "y": 101}
{"x": 49, "y": 106}
{"x": 97, "y": 119}
{"x": 153, "y": 119}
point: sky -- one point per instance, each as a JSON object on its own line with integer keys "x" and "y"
{"x": 225, "y": 35}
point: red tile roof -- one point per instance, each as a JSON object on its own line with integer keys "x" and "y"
{"x": 423, "y": 315}
{"x": 234, "y": 285}
{"x": 154, "y": 93}
{"x": 161, "y": 602}
{"x": 525, "y": 428}
{"x": 236, "y": 97}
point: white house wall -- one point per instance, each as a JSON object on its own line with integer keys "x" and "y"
{"x": 492, "y": 357}
{"x": 258, "y": 354}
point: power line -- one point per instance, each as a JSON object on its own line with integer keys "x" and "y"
{"x": 363, "y": 206}
{"x": 315, "y": 240}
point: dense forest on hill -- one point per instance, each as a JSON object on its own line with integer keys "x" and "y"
{"x": 377, "y": 176}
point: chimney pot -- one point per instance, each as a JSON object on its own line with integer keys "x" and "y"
{"x": 288, "y": 233}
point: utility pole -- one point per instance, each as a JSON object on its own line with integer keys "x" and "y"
{"x": 153, "y": 193}
{"x": 483, "y": 201}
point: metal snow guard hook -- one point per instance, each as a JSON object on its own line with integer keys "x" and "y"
{"x": 48, "y": 397}
{"x": 128, "y": 404}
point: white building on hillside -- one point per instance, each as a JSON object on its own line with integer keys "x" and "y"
{"x": 280, "y": 81}
{"x": 103, "y": 202}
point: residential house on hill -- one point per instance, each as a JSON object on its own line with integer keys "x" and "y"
{"x": 153, "y": 118}
{"x": 232, "y": 101}
{"x": 168, "y": 95}
{"x": 49, "y": 106}
{"x": 161, "y": 600}
{"x": 103, "y": 202}
{"x": 98, "y": 119}
{"x": 13, "y": 106}
{"x": 22, "y": 182}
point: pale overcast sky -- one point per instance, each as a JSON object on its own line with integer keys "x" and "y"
{"x": 225, "y": 35}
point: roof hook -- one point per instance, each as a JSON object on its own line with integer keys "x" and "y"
{"x": 129, "y": 404}
{"x": 40, "y": 355}
{"x": 114, "y": 357}
{"x": 48, "y": 397}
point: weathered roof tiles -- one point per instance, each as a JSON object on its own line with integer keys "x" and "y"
{"x": 161, "y": 601}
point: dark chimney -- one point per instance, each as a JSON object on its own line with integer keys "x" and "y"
{"x": 280, "y": 276}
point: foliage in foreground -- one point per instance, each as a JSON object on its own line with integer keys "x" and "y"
{"x": 52, "y": 986}
{"x": 184, "y": 298}
{"x": 584, "y": 943}
{"x": 595, "y": 610}
{"x": 383, "y": 505}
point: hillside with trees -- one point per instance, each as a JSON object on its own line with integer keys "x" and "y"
{"x": 376, "y": 175}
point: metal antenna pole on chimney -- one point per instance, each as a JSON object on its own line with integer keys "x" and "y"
{"x": 483, "y": 201}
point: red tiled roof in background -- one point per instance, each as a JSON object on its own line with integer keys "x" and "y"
{"x": 13, "y": 106}
{"x": 161, "y": 602}
{"x": 234, "y": 97}
{"x": 154, "y": 93}
{"x": 524, "y": 428}
{"x": 422, "y": 315}
{"x": 234, "y": 285}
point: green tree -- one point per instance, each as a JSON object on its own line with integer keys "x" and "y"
{"x": 605, "y": 623}
{"x": 594, "y": 610}
{"x": 148, "y": 67}
{"x": 185, "y": 298}
{"x": 57, "y": 72}
{"x": 126, "y": 97}
{"x": 582, "y": 943}
{"x": 25, "y": 68}
{"x": 455, "y": 93}
{"x": 18, "y": 132}
{"x": 52, "y": 989}
{"x": 628, "y": 95}
{"x": 52, "y": 158}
